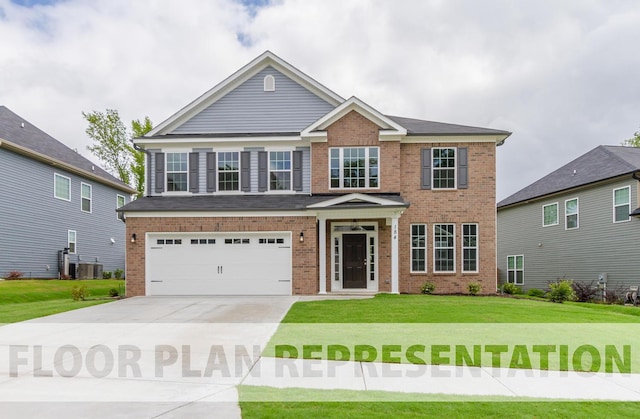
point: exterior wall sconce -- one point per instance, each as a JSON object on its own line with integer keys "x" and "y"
{"x": 133, "y": 238}
{"x": 301, "y": 236}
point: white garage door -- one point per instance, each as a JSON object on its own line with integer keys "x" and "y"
{"x": 218, "y": 264}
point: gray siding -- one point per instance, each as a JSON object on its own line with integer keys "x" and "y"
{"x": 598, "y": 246}
{"x": 249, "y": 109}
{"x": 34, "y": 224}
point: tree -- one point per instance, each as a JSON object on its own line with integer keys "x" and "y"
{"x": 633, "y": 142}
{"x": 113, "y": 146}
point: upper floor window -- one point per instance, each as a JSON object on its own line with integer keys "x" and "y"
{"x": 85, "y": 197}
{"x": 177, "y": 172}
{"x": 444, "y": 248}
{"x": 621, "y": 204}
{"x": 120, "y": 201}
{"x": 354, "y": 167}
{"x": 444, "y": 168}
{"x": 61, "y": 187}
{"x": 269, "y": 83}
{"x": 550, "y": 215}
{"x": 229, "y": 171}
{"x": 280, "y": 171}
{"x": 571, "y": 213}
{"x": 418, "y": 247}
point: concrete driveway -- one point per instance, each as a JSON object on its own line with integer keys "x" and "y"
{"x": 143, "y": 357}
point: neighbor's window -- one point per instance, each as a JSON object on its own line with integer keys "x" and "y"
{"x": 515, "y": 269}
{"x": 120, "y": 201}
{"x": 469, "y": 247}
{"x": 418, "y": 248}
{"x": 354, "y": 167}
{"x": 71, "y": 241}
{"x": 229, "y": 171}
{"x": 177, "y": 172}
{"x": 62, "y": 187}
{"x": 444, "y": 248}
{"x": 444, "y": 168}
{"x": 280, "y": 171}
{"x": 550, "y": 215}
{"x": 621, "y": 204}
{"x": 571, "y": 213}
{"x": 85, "y": 194}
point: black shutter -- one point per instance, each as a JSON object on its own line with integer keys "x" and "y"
{"x": 263, "y": 172}
{"x": 159, "y": 172}
{"x": 194, "y": 160}
{"x": 463, "y": 168}
{"x": 425, "y": 178}
{"x": 245, "y": 171}
{"x": 297, "y": 170}
{"x": 211, "y": 172}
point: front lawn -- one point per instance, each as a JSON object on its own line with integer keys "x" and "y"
{"x": 27, "y": 299}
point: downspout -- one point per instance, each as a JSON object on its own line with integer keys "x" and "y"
{"x": 148, "y": 168}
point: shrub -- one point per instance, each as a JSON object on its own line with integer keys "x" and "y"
{"x": 14, "y": 275}
{"x": 474, "y": 288}
{"x": 511, "y": 288}
{"x": 107, "y": 275}
{"x": 113, "y": 292}
{"x": 80, "y": 293}
{"x": 118, "y": 273}
{"x": 535, "y": 292}
{"x": 584, "y": 292}
{"x": 428, "y": 288}
{"x": 561, "y": 291}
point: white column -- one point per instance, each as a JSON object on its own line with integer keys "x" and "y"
{"x": 322, "y": 255}
{"x": 395, "y": 286}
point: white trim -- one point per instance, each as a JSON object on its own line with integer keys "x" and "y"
{"x": 337, "y": 285}
{"x": 557, "y": 215}
{"x": 458, "y": 138}
{"x": 269, "y": 83}
{"x": 411, "y": 247}
{"x": 341, "y": 167}
{"x": 166, "y": 173}
{"x": 577, "y": 214}
{"x": 620, "y": 205}
{"x": 476, "y": 247}
{"x": 233, "y": 191}
{"x": 436, "y": 248}
{"x": 269, "y": 151}
{"x": 354, "y": 197}
{"x": 455, "y": 169}
{"x": 75, "y": 241}
{"x": 83, "y": 198}
{"x": 55, "y": 189}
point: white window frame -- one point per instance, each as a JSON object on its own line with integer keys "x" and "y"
{"x": 238, "y": 171}
{"x": 628, "y": 205}
{"x": 436, "y": 247}
{"x": 74, "y": 241}
{"x": 557, "y": 215}
{"x": 167, "y": 172}
{"x": 367, "y": 176}
{"x": 455, "y": 169}
{"x": 423, "y": 248}
{"x": 290, "y": 170}
{"x": 577, "y": 214}
{"x": 120, "y": 215}
{"x": 476, "y": 248}
{"x": 515, "y": 269}
{"x": 57, "y": 176}
{"x": 82, "y": 197}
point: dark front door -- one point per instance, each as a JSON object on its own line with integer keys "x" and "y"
{"x": 354, "y": 261}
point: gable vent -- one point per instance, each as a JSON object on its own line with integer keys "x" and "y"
{"x": 269, "y": 83}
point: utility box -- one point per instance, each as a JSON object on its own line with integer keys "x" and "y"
{"x": 97, "y": 270}
{"x": 85, "y": 271}
{"x": 602, "y": 280}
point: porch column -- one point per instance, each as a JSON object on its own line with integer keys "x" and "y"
{"x": 395, "y": 286}
{"x": 322, "y": 255}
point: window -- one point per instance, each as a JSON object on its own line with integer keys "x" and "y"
{"x": 120, "y": 201}
{"x": 237, "y": 241}
{"x": 280, "y": 171}
{"x": 85, "y": 197}
{"x": 515, "y": 269}
{"x": 550, "y": 215}
{"x": 354, "y": 167}
{"x": 71, "y": 241}
{"x": 62, "y": 187}
{"x": 228, "y": 171}
{"x": 444, "y": 248}
{"x": 469, "y": 247}
{"x": 621, "y": 204}
{"x": 372, "y": 258}
{"x": 418, "y": 248}
{"x": 571, "y": 213}
{"x": 177, "y": 172}
{"x": 444, "y": 168}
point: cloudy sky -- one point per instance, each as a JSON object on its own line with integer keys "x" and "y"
{"x": 562, "y": 75}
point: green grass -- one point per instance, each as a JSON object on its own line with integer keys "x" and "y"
{"x": 27, "y": 299}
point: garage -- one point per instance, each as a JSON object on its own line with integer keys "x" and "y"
{"x": 218, "y": 263}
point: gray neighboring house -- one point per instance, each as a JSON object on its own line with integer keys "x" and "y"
{"x": 579, "y": 222}
{"x": 53, "y": 198}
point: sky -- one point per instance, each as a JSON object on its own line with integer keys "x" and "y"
{"x": 562, "y": 75}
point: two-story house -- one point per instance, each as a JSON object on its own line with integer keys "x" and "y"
{"x": 578, "y": 222}
{"x": 52, "y": 198}
{"x": 271, "y": 183}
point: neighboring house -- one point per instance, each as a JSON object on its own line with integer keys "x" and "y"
{"x": 579, "y": 222}
{"x": 52, "y": 198}
{"x": 270, "y": 183}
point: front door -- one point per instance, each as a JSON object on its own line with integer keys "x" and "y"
{"x": 354, "y": 260}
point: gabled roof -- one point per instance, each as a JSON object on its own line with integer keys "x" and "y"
{"x": 24, "y": 138}
{"x": 421, "y": 127}
{"x": 601, "y": 163}
{"x": 266, "y": 59}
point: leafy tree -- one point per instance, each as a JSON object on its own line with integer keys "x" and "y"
{"x": 633, "y": 142}
{"x": 113, "y": 146}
